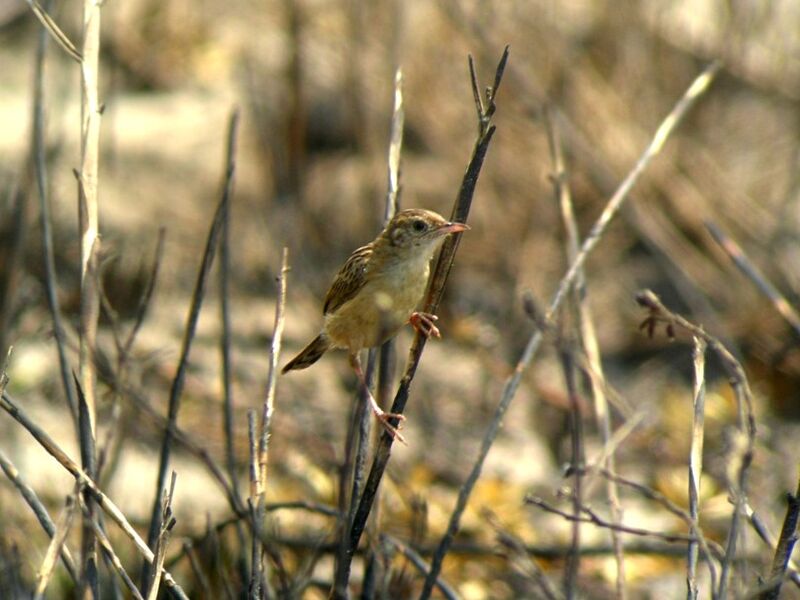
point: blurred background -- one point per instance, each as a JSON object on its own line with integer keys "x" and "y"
{"x": 313, "y": 80}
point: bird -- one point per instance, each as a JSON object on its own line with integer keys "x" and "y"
{"x": 377, "y": 291}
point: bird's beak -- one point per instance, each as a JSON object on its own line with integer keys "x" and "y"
{"x": 452, "y": 228}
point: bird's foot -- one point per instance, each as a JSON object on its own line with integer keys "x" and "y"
{"x": 380, "y": 414}
{"x": 425, "y": 323}
{"x": 383, "y": 418}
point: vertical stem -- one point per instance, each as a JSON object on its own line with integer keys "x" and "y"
{"x": 696, "y": 462}
{"x": 576, "y": 463}
{"x": 90, "y": 246}
{"x": 88, "y": 176}
{"x": 40, "y": 168}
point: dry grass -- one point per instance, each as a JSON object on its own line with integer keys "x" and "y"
{"x": 711, "y": 226}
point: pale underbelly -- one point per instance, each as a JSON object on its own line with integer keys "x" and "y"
{"x": 376, "y": 314}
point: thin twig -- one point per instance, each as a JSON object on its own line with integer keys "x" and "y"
{"x": 224, "y": 294}
{"x": 89, "y": 230}
{"x": 785, "y": 546}
{"x": 742, "y": 447}
{"x": 710, "y": 549}
{"x": 89, "y": 464}
{"x": 746, "y": 266}
{"x": 419, "y": 563}
{"x": 663, "y": 132}
{"x": 114, "y": 561}
{"x": 576, "y": 463}
{"x": 38, "y": 509}
{"x": 160, "y": 551}
{"x": 40, "y": 168}
{"x": 763, "y": 532}
{"x": 53, "y": 29}
{"x": 260, "y": 452}
{"x": 178, "y": 381}
{"x": 395, "y": 148}
{"x": 268, "y": 408}
{"x": 353, "y": 470}
{"x": 520, "y": 560}
{"x": 256, "y": 558}
{"x": 56, "y": 547}
{"x": 88, "y": 211}
{"x": 588, "y": 335}
{"x": 113, "y": 511}
{"x": 696, "y": 462}
{"x": 224, "y": 271}
{"x": 595, "y": 519}
{"x": 435, "y": 290}
{"x": 14, "y": 257}
{"x": 194, "y": 447}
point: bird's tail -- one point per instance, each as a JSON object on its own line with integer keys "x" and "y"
{"x": 309, "y": 355}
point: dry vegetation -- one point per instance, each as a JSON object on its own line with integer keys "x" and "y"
{"x": 647, "y": 445}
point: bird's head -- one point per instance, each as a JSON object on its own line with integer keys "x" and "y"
{"x": 417, "y": 227}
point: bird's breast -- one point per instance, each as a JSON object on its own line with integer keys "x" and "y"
{"x": 381, "y": 307}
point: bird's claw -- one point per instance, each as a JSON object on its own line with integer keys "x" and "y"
{"x": 383, "y": 418}
{"x": 425, "y": 324}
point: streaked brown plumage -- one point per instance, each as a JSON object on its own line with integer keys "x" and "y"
{"x": 377, "y": 291}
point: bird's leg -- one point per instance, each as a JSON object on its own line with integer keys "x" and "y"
{"x": 382, "y": 416}
{"x": 425, "y": 323}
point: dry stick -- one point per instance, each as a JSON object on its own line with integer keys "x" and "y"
{"x": 87, "y": 449}
{"x": 520, "y": 561}
{"x": 89, "y": 230}
{"x": 386, "y": 353}
{"x": 474, "y": 549}
{"x": 53, "y": 29}
{"x": 767, "y": 538}
{"x": 40, "y": 164}
{"x": 180, "y": 375}
{"x": 38, "y": 509}
{"x": 588, "y": 337}
{"x": 747, "y": 267}
{"x": 395, "y": 147}
{"x": 194, "y": 564}
{"x": 352, "y": 472}
{"x": 123, "y": 356}
{"x": 419, "y": 563}
{"x": 665, "y": 129}
{"x": 710, "y": 549}
{"x": 433, "y": 297}
{"x": 256, "y": 558}
{"x": 225, "y": 328}
{"x": 460, "y": 212}
{"x": 14, "y": 259}
{"x": 11, "y": 407}
{"x": 55, "y": 548}
{"x": 261, "y": 451}
{"x": 160, "y": 551}
{"x": 181, "y": 437}
{"x": 742, "y": 451}
{"x": 576, "y": 464}
{"x": 268, "y": 408}
{"x": 29, "y": 495}
{"x": 357, "y": 446}
{"x": 785, "y": 546}
{"x": 698, "y": 86}
{"x": 696, "y": 463}
{"x": 224, "y": 293}
{"x": 593, "y": 518}
{"x": 147, "y": 295}
{"x": 114, "y": 561}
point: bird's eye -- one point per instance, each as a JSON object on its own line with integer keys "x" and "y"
{"x": 419, "y": 225}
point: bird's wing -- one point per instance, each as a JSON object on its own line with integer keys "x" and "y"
{"x": 349, "y": 280}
